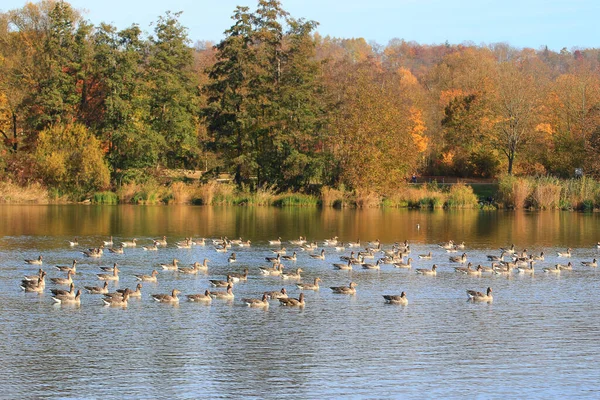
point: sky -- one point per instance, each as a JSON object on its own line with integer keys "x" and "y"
{"x": 526, "y": 23}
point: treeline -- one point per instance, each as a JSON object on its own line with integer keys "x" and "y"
{"x": 88, "y": 108}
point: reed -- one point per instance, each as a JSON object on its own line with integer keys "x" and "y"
{"x": 514, "y": 191}
{"x": 32, "y": 193}
{"x": 546, "y": 193}
{"x": 296, "y": 200}
{"x": 331, "y": 197}
{"x": 105, "y": 197}
{"x": 181, "y": 193}
{"x": 367, "y": 199}
{"x": 461, "y": 196}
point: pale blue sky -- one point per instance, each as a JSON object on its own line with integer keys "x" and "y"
{"x": 525, "y": 23}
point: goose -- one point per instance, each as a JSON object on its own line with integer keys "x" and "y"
{"x": 97, "y": 289}
{"x": 193, "y": 270}
{"x": 340, "y": 247}
{"x": 290, "y": 258}
{"x": 460, "y": 246}
{"x": 62, "y": 292}
{"x": 310, "y": 247}
{"x": 220, "y": 283}
{"x": 35, "y": 277}
{"x": 281, "y": 251}
{"x": 147, "y": 278}
{"x": 119, "y": 300}
{"x": 396, "y": 299}
{"x": 63, "y": 281}
{"x": 350, "y": 289}
{"x": 496, "y": 258}
{"x": 478, "y": 296}
{"x": 598, "y": 245}
{"x": 167, "y": 298}
{"x": 278, "y": 294}
{"x": 276, "y": 242}
{"x": 201, "y": 297}
{"x": 354, "y": 244}
{"x": 348, "y": 258}
{"x": 347, "y": 266}
{"x": 526, "y": 270}
{"x": 406, "y": 265}
{"x": 232, "y": 258}
{"x": 161, "y": 242}
{"x": 427, "y": 256}
{"x": 108, "y": 242}
{"x": 200, "y": 242}
{"x": 187, "y": 244}
{"x": 37, "y": 261}
{"x": 293, "y": 275}
{"x": 291, "y": 302}
{"x": 424, "y": 271}
{"x": 131, "y": 243}
{"x": 509, "y": 250}
{"x": 452, "y": 250}
{"x": 67, "y": 299}
{"x": 298, "y": 242}
{"x": 109, "y": 269}
{"x": 93, "y": 252}
{"x": 74, "y": 242}
{"x": 236, "y": 277}
{"x": 568, "y": 267}
{"x": 566, "y": 253}
{"x": 320, "y": 256}
{"x": 330, "y": 242}
{"x": 153, "y": 247}
{"x": 447, "y": 245}
{"x": 275, "y": 270}
{"x": 372, "y": 266}
{"x": 226, "y": 295}
{"x": 67, "y": 268}
{"x": 540, "y": 257}
{"x": 474, "y": 272}
{"x": 136, "y": 293}
{"x": 170, "y": 267}
{"x": 274, "y": 259}
{"x": 33, "y": 286}
{"x": 592, "y": 263}
{"x": 236, "y": 241}
{"x": 252, "y": 302}
{"x": 459, "y": 259}
{"x": 245, "y": 244}
{"x": 110, "y": 277}
{"x": 118, "y": 250}
{"x": 553, "y": 270}
{"x": 368, "y": 253}
{"x": 309, "y": 286}
{"x": 463, "y": 270}
{"x": 501, "y": 269}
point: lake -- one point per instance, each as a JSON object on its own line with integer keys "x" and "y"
{"x": 539, "y": 338}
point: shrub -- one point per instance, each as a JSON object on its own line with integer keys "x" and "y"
{"x": 105, "y": 198}
{"x": 461, "y": 196}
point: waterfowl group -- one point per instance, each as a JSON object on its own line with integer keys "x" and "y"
{"x": 521, "y": 262}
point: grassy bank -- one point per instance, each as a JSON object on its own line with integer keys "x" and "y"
{"x": 510, "y": 192}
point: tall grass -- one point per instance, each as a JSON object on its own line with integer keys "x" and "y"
{"x": 461, "y": 196}
{"x": 181, "y": 193}
{"x": 367, "y": 199}
{"x": 514, "y": 191}
{"x": 105, "y": 198}
{"x": 33, "y": 193}
{"x": 331, "y": 197}
{"x": 296, "y": 200}
{"x": 546, "y": 193}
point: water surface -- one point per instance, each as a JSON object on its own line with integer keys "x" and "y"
{"x": 539, "y": 338}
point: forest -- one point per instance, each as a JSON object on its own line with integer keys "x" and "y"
{"x": 86, "y": 109}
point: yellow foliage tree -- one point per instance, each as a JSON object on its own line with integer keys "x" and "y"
{"x": 69, "y": 157}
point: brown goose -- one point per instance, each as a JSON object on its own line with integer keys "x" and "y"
{"x": 68, "y": 299}
{"x": 291, "y": 302}
{"x": 167, "y": 298}
{"x": 37, "y": 261}
{"x": 252, "y": 302}
{"x": 309, "y": 286}
{"x": 65, "y": 268}
{"x": 224, "y": 295}
{"x": 97, "y": 289}
{"x": 282, "y": 294}
{"x": 424, "y": 271}
{"x": 110, "y": 277}
{"x": 396, "y": 299}
{"x": 200, "y": 298}
{"x": 63, "y": 281}
{"x": 65, "y": 293}
{"x": 117, "y": 301}
{"x": 147, "y": 278}
{"x": 236, "y": 277}
{"x": 350, "y": 289}
{"x": 478, "y": 296}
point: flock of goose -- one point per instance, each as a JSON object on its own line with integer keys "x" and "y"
{"x": 509, "y": 261}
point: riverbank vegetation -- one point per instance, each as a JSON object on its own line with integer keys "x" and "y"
{"x": 291, "y": 117}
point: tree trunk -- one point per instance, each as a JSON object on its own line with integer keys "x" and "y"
{"x": 511, "y": 159}
{"x": 15, "y": 144}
